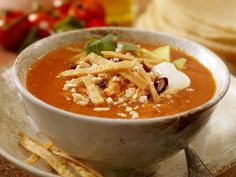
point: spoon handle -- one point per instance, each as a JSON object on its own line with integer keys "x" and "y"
{"x": 196, "y": 168}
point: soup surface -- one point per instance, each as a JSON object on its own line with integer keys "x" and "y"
{"x": 73, "y": 80}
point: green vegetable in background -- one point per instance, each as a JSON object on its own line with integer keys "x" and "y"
{"x": 180, "y": 63}
{"x": 69, "y": 23}
{"x": 107, "y": 43}
{"x": 30, "y": 38}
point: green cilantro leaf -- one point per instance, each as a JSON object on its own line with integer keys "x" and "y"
{"x": 129, "y": 47}
{"x": 107, "y": 43}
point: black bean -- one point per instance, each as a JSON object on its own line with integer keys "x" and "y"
{"x": 161, "y": 84}
{"x": 72, "y": 66}
{"x": 145, "y": 67}
{"x": 103, "y": 84}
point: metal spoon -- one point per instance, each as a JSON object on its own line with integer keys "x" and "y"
{"x": 196, "y": 167}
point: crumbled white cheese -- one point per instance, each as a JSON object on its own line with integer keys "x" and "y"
{"x": 73, "y": 90}
{"x": 128, "y": 109}
{"x": 190, "y": 89}
{"x": 70, "y": 85}
{"x": 115, "y": 103}
{"x": 158, "y": 105}
{"x": 101, "y": 109}
{"x": 120, "y": 100}
{"x": 177, "y": 80}
{"x": 68, "y": 98}
{"x": 143, "y": 99}
{"x": 115, "y": 59}
{"x": 122, "y": 114}
{"x": 96, "y": 79}
{"x": 109, "y": 100}
{"x": 77, "y": 97}
{"x": 83, "y": 102}
{"x": 135, "y": 96}
{"x": 115, "y": 78}
{"x": 119, "y": 48}
{"x": 129, "y": 92}
{"x": 124, "y": 104}
{"x": 134, "y": 115}
{"x": 136, "y": 107}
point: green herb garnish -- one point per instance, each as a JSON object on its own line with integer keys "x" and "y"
{"x": 107, "y": 43}
{"x": 129, "y": 47}
{"x": 180, "y": 63}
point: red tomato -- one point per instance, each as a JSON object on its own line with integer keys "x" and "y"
{"x": 95, "y": 22}
{"x": 61, "y": 9}
{"x": 44, "y": 21}
{"x": 11, "y": 37}
{"x": 87, "y": 9}
{"x": 11, "y": 16}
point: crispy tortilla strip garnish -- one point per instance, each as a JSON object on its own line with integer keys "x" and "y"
{"x": 80, "y": 170}
{"x": 151, "y": 87}
{"x": 108, "y": 67}
{"x": 135, "y": 78}
{"x": 34, "y": 158}
{"x": 59, "y": 152}
{"x": 54, "y": 161}
{"x": 131, "y": 76}
{"x": 75, "y": 50}
{"x": 111, "y": 54}
{"x": 93, "y": 91}
{"x": 79, "y": 57}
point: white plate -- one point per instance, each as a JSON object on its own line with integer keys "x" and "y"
{"x": 216, "y": 144}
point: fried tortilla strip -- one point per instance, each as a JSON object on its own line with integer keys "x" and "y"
{"x": 93, "y": 91}
{"x": 111, "y": 54}
{"x": 135, "y": 78}
{"x": 80, "y": 170}
{"x": 74, "y": 50}
{"x": 59, "y": 152}
{"x": 108, "y": 67}
{"x": 131, "y": 76}
{"x": 54, "y": 161}
{"x": 151, "y": 87}
{"x": 79, "y": 57}
{"x": 34, "y": 158}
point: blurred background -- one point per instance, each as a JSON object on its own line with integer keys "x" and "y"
{"x": 209, "y": 22}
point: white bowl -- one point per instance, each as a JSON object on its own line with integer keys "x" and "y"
{"x": 119, "y": 143}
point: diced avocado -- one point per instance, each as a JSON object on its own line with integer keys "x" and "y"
{"x": 180, "y": 63}
{"x": 162, "y": 52}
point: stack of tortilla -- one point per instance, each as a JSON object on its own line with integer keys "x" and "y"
{"x": 209, "y": 22}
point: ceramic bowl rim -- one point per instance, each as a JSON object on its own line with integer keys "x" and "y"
{"x": 75, "y": 116}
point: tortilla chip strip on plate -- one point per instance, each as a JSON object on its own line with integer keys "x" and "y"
{"x": 34, "y": 158}
{"x": 93, "y": 91}
{"x": 54, "y": 161}
{"x": 59, "y": 152}
{"x": 131, "y": 76}
{"x": 108, "y": 67}
{"x": 111, "y": 54}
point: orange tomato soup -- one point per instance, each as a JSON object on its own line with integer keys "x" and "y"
{"x": 43, "y": 83}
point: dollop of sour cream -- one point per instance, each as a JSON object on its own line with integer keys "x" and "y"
{"x": 177, "y": 80}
